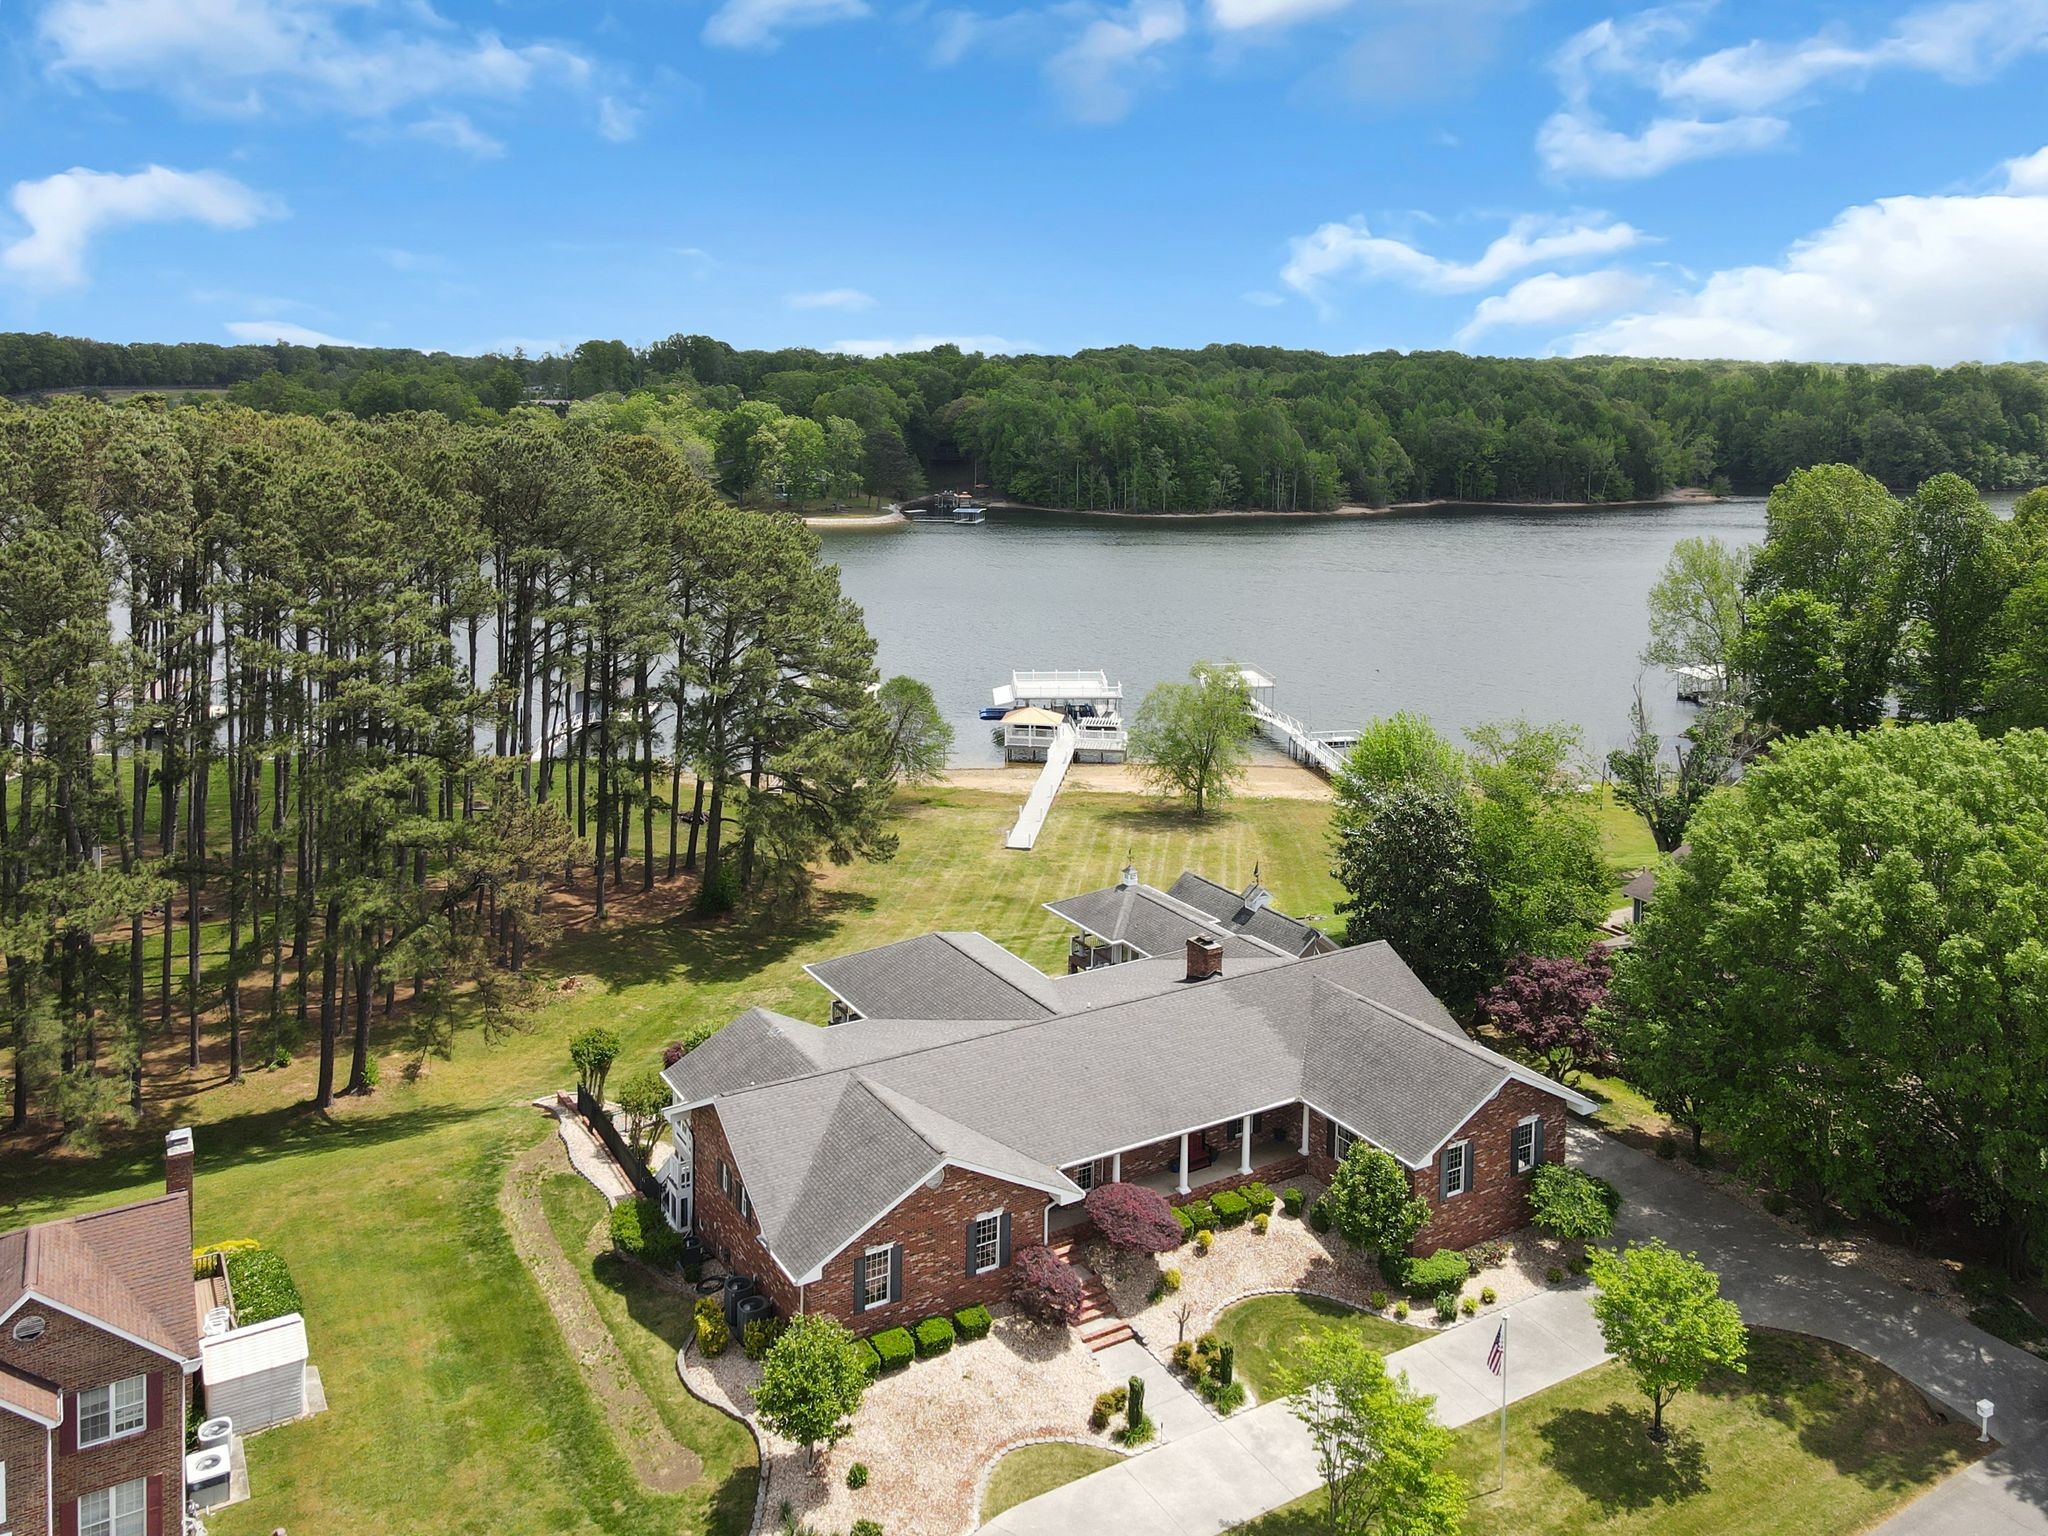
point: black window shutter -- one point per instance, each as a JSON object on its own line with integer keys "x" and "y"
{"x": 860, "y": 1282}
{"x": 896, "y": 1272}
{"x": 1536, "y": 1152}
{"x": 1329, "y": 1137}
{"x": 1443, "y": 1175}
{"x": 1003, "y": 1240}
{"x": 971, "y": 1225}
{"x": 1470, "y": 1168}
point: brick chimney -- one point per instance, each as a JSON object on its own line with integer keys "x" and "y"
{"x": 178, "y": 1165}
{"x": 1205, "y": 957}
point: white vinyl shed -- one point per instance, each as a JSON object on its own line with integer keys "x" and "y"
{"x": 256, "y": 1375}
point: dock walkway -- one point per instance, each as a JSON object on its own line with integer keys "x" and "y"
{"x": 1039, "y": 803}
{"x": 1300, "y": 743}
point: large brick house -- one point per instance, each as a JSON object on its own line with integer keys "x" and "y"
{"x": 99, "y": 1338}
{"x": 885, "y": 1168}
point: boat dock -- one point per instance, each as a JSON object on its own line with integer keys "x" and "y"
{"x": 1324, "y": 751}
{"x": 1057, "y": 718}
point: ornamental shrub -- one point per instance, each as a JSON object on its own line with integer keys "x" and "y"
{"x": 1259, "y": 1198}
{"x": 1488, "y": 1295}
{"x": 707, "y": 1306}
{"x": 203, "y": 1258}
{"x": 262, "y": 1286}
{"x": 1401, "y": 1311}
{"x": 869, "y": 1360}
{"x": 756, "y": 1336}
{"x": 1229, "y": 1397}
{"x": 1134, "y": 1401}
{"x": 1203, "y": 1239}
{"x": 934, "y": 1337}
{"x": 1107, "y": 1406}
{"x": 865, "y": 1527}
{"x": 1169, "y": 1279}
{"x": 1292, "y": 1200}
{"x": 857, "y": 1474}
{"x": 1554, "y": 1275}
{"x": 1446, "y": 1306}
{"x": 592, "y": 1054}
{"x": 895, "y": 1347}
{"x": 1184, "y": 1221}
{"x": 973, "y": 1322}
{"x": 811, "y": 1383}
{"x": 640, "y": 1231}
{"x": 1373, "y": 1204}
{"x": 1204, "y": 1213}
{"x": 1132, "y": 1216}
{"x": 1571, "y": 1203}
{"x": 1045, "y": 1285}
{"x": 1226, "y": 1363}
{"x": 712, "y": 1335}
{"x": 1231, "y": 1208}
{"x": 1378, "y": 1301}
{"x": 1260, "y": 1222}
{"x": 1444, "y": 1270}
{"x": 1183, "y": 1354}
{"x": 1319, "y": 1216}
{"x": 1469, "y": 1306}
{"x": 1489, "y": 1253}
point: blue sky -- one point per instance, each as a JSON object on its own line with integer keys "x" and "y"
{"x": 1846, "y": 181}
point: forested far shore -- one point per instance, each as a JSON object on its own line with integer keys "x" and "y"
{"x": 343, "y": 701}
{"x": 1135, "y": 429}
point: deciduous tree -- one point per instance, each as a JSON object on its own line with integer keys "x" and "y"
{"x": 1663, "y": 1317}
{"x": 1194, "y": 738}
{"x": 812, "y": 1383}
{"x": 1379, "y": 1451}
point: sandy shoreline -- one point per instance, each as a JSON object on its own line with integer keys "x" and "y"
{"x": 855, "y": 520}
{"x": 1262, "y": 781}
{"x": 1683, "y": 496}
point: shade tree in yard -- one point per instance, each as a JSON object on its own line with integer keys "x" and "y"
{"x": 1666, "y": 793}
{"x": 916, "y": 736}
{"x": 1193, "y": 739}
{"x": 1378, "y": 1449}
{"x": 1543, "y": 1005}
{"x": 1662, "y": 1316}
{"x": 812, "y": 1382}
{"x": 1411, "y": 876}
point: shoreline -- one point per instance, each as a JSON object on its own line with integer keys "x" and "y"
{"x": 855, "y": 520}
{"x": 1262, "y": 781}
{"x": 1683, "y": 496}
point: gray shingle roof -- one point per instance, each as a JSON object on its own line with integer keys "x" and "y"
{"x": 937, "y": 976}
{"x": 1228, "y": 908}
{"x": 1152, "y": 921}
{"x": 868, "y": 1109}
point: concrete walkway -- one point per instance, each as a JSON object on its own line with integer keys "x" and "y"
{"x": 1780, "y": 1283}
{"x": 1206, "y": 1479}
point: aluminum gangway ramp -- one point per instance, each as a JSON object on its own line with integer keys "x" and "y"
{"x": 1039, "y": 804}
{"x": 1299, "y": 742}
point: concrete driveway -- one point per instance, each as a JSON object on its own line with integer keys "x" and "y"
{"x": 1779, "y": 1283}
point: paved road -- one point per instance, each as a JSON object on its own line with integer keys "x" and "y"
{"x": 1780, "y": 1284}
{"x": 1211, "y": 1476}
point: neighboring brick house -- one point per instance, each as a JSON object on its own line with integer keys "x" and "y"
{"x": 885, "y": 1168}
{"x": 99, "y": 1338}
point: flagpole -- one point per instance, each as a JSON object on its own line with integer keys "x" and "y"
{"x": 1503, "y": 1402}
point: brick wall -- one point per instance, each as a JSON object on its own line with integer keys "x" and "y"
{"x": 23, "y": 1447}
{"x": 718, "y": 1220}
{"x": 1497, "y": 1201}
{"x": 75, "y": 1355}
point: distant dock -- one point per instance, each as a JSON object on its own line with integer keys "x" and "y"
{"x": 1324, "y": 751}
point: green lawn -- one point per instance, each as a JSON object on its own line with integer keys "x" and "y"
{"x": 1267, "y": 1331}
{"x": 1625, "y": 838}
{"x": 1031, "y": 1470}
{"x": 444, "y": 1373}
{"x": 1816, "y": 1440}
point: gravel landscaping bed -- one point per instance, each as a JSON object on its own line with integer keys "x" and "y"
{"x": 926, "y": 1433}
{"x": 1292, "y": 1256}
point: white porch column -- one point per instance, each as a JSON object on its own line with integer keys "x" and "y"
{"x": 1304, "y": 1130}
{"x": 1116, "y": 1167}
{"x": 1182, "y": 1186}
{"x": 1244, "y": 1146}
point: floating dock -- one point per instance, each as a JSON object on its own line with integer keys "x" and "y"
{"x": 1057, "y": 718}
{"x": 1324, "y": 751}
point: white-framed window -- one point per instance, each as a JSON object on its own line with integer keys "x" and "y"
{"x": 746, "y": 1204}
{"x": 1084, "y": 1175}
{"x": 3, "y": 1493}
{"x": 724, "y": 1178}
{"x": 1457, "y": 1169}
{"x": 877, "y": 1273}
{"x": 108, "y": 1413}
{"x": 1341, "y": 1141}
{"x": 122, "y": 1510}
{"x": 988, "y": 1241}
{"x": 1527, "y": 1144}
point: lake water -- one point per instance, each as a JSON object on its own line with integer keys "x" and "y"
{"x": 1463, "y": 614}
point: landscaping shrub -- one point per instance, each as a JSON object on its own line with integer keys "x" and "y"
{"x": 707, "y": 1306}
{"x": 1132, "y": 1216}
{"x": 1443, "y": 1270}
{"x": 1184, "y": 1221}
{"x": 1319, "y": 1216}
{"x": 1446, "y": 1306}
{"x": 756, "y": 1336}
{"x": 1226, "y": 1363}
{"x": 865, "y": 1527}
{"x": 973, "y": 1322}
{"x": 1554, "y": 1275}
{"x": 1203, "y": 1239}
{"x": 1378, "y": 1300}
{"x": 1204, "y": 1214}
{"x": 857, "y": 1475}
{"x": 1260, "y": 1222}
{"x": 1134, "y": 1401}
{"x": 1134, "y": 1435}
{"x": 1170, "y": 1279}
{"x": 1577, "y": 1264}
{"x": 1292, "y": 1200}
{"x": 1401, "y": 1311}
{"x": 1231, "y": 1208}
{"x": 1569, "y": 1202}
{"x": 1258, "y": 1197}
{"x": 1229, "y": 1398}
{"x": 1045, "y": 1285}
{"x": 1373, "y": 1204}
{"x": 895, "y": 1347}
{"x": 869, "y": 1360}
{"x": 1469, "y": 1306}
{"x": 1488, "y": 1295}
{"x": 1107, "y": 1406}
{"x": 202, "y": 1258}
{"x": 1183, "y": 1354}
{"x": 934, "y": 1337}
{"x": 262, "y": 1285}
{"x": 1489, "y": 1253}
{"x": 712, "y": 1335}
{"x": 639, "y": 1231}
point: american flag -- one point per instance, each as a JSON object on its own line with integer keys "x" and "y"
{"x": 1497, "y": 1357}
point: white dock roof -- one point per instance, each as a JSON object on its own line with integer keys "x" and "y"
{"x": 1059, "y": 687}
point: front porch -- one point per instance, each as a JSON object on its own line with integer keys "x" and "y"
{"x": 1262, "y": 1146}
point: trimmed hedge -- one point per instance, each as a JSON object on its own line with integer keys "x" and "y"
{"x": 1231, "y": 1208}
{"x": 640, "y": 1231}
{"x": 262, "y": 1285}
{"x": 870, "y": 1362}
{"x": 1259, "y": 1198}
{"x": 973, "y": 1322}
{"x": 1187, "y": 1222}
{"x": 896, "y": 1348}
{"x": 1203, "y": 1213}
{"x": 712, "y": 1334}
{"x": 1440, "y": 1272}
{"x": 1292, "y": 1199}
{"x": 934, "y": 1336}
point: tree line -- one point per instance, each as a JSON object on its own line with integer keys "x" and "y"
{"x": 296, "y": 712}
{"x": 1161, "y": 429}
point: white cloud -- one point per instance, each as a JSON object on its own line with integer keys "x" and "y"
{"x": 1553, "y": 298}
{"x": 1240, "y": 15}
{"x": 1264, "y": 298}
{"x": 454, "y": 130}
{"x": 1730, "y": 101}
{"x": 616, "y": 120}
{"x": 1353, "y": 250}
{"x": 761, "y": 23}
{"x": 882, "y": 346}
{"x": 1905, "y": 279}
{"x": 340, "y": 55}
{"x": 263, "y": 332}
{"x": 1096, "y": 74}
{"x": 66, "y": 211}
{"x": 831, "y": 298}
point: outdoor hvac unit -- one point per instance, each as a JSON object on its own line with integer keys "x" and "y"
{"x": 215, "y": 1432}
{"x": 206, "y": 1478}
